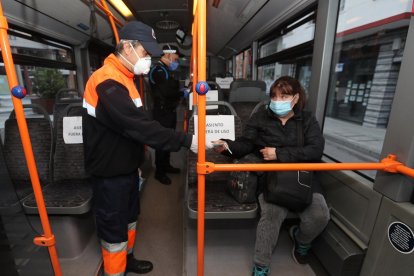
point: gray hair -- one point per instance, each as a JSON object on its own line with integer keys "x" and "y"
{"x": 120, "y": 46}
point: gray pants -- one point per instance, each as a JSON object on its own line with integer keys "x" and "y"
{"x": 312, "y": 222}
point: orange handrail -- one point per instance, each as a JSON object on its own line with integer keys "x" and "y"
{"x": 111, "y": 17}
{"x": 388, "y": 164}
{"x": 47, "y": 239}
{"x": 201, "y": 53}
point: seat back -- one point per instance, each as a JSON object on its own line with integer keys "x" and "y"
{"x": 41, "y": 137}
{"x": 64, "y": 97}
{"x": 68, "y": 159}
{"x": 259, "y": 106}
{"x": 218, "y": 109}
{"x": 244, "y": 95}
{"x": 211, "y": 155}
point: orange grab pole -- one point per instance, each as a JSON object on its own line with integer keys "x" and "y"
{"x": 108, "y": 12}
{"x": 201, "y": 46}
{"x": 388, "y": 164}
{"x": 111, "y": 17}
{"x": 47, "y": 239}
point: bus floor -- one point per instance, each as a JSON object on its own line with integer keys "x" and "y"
{"x": 167, "y": 237}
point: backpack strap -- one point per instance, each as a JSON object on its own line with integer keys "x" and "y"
{"x": 157, "y": 68}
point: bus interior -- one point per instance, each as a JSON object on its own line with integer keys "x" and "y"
{"x": 353, "y": 57}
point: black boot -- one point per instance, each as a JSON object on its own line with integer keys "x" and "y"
{"x": 171, "y": 169}
{"x": 162, "y": 177}
{"x": 137, "y": 266}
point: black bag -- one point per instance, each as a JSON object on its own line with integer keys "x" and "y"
{"x": 290, "y": 189}
{"x": 242, "y": 185}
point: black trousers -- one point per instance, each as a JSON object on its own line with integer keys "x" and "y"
{"x": 115, "y": 204}
{"x": 167, "y": 118}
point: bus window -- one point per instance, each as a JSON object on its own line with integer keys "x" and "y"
{"x": 367, "y": 55}
{"x": 244, "y": 65}
{"x": 42, "y": 66}
{"x": 288, "y": 53}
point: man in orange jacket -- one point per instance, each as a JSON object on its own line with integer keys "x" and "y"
{"x": 115, "y": 130}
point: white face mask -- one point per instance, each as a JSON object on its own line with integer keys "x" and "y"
{"x": 142, "y": 66}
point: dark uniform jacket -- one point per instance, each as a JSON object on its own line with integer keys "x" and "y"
{"x": 165, "y": 88}
{"x": 115, "y": 126}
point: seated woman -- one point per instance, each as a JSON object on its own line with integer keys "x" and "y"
{"x": 271, "y": 135}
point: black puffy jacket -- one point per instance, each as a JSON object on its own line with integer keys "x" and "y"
{"x": 264, "y": 129}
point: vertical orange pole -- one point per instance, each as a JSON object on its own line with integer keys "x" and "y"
{"x": 201, "y": 22}
{"x": 47, "y": 239}
{"x": 111, "y": 20}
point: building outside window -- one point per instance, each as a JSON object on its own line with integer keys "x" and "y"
{"x": 247, "y": 64}
{"x": 239, "y": 66}
{"x": 367, "y": 56}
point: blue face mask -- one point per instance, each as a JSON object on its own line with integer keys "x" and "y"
{"x": 173, "y": 65}
{"x": 280, "y": 108}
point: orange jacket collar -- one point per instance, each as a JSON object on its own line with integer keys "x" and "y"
{"x": 112, "y": 59}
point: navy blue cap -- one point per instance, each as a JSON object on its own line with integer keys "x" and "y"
{"x": 136, "y": 30}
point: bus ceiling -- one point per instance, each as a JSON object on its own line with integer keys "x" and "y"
{"x": 231, "y": 25}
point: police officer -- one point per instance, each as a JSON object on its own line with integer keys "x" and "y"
{"x": 115, "y": 130}
{"x": 166, "y": 95}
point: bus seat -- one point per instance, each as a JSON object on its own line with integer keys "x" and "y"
{"x": 68, "y": 199}
{"x": 218, "y": 109}
{"x": 212, "y": 109}
{"x": 219, "y": 203}
{"x": 244, "y": 95}
{"x": 70, "y": 193}
{"x": 40, "y": 131}
{"x": 259, "y": 106}
{"x": 63, "y": 98}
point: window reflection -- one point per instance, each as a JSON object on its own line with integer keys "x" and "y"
{"x": 289, "y": 54}
{"x": 299, "y": 35}
{"x": 367, "y": 56}
{"x": 42, "y": 48}
{"x": 41, "y": 67}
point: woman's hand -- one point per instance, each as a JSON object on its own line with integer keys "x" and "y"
{"x": 269, "y": 153}
{"x": 219, "y": 146}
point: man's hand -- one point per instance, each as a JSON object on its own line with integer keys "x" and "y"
{"x": 185, "y": 91}
{"x": 194, "y": 145}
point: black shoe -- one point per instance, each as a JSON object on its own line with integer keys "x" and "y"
{"x": 171, "y": 169}
{"x": 137, "y": 266}
{"x": 163, "y": 178}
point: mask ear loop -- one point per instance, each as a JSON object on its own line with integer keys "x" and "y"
{"x": 124, "y": 58}
{"x": 133, "y": 49}
{"x": 295, "y": 97}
